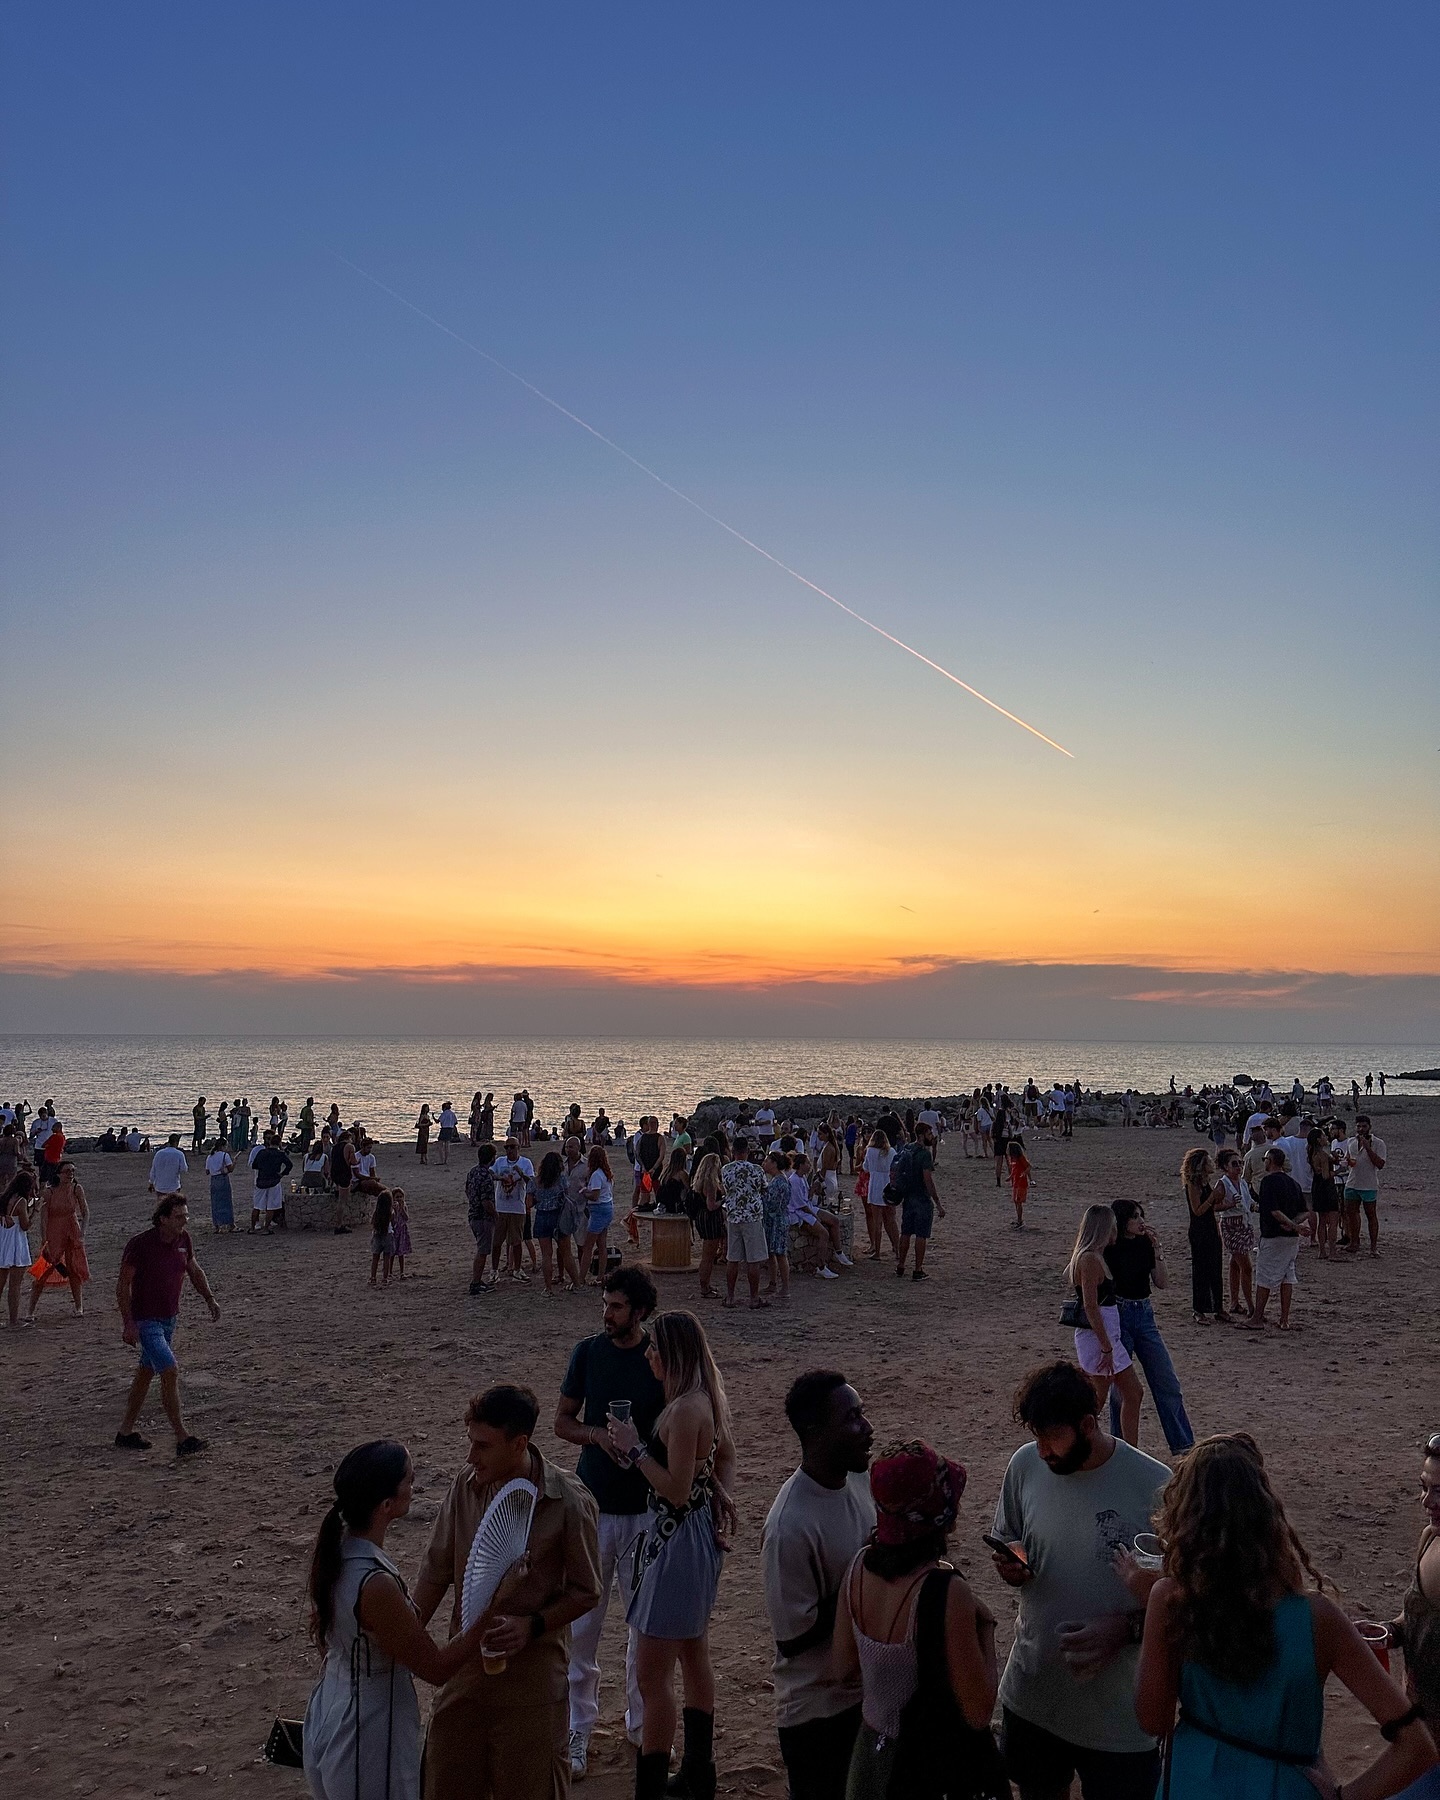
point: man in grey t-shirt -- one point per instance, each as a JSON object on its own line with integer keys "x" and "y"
{"x": 1071, "y": 1504}
{"x": 821, "y": 1517}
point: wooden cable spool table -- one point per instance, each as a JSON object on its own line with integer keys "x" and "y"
{"x": 670, "y": 1234}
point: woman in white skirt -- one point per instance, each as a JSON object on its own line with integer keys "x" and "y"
{"x": 362, "y": 1726}
{"x": 1098, "y": 1346}
{"x": 15, "y": 1205}
{"x": 688, "y": 1462}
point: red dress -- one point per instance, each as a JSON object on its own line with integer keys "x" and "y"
{"x": 64, "y": 1245}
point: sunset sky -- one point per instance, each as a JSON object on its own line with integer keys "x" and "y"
{"x": 1090, "y": 350}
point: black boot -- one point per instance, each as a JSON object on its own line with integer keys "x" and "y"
{"x": 650, "y": 1773}
{"x": 695, "y": 1778}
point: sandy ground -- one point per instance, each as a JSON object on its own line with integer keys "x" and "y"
{"x": 152, "y": 1619}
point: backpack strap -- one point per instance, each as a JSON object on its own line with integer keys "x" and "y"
{"x": 930, "y": 1651}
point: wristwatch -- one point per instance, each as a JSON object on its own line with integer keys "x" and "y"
{"x": 634, "y": 1453}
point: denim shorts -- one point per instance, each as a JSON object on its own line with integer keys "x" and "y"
{"x": 546, "y": 1224}
{"x": 155, "y": 1352}
{"x": 600, "y": 1217}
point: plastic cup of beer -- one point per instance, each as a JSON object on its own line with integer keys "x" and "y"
{"x": 1149, "y": 1552}
{"x": 1377, "y": 1636}
{"x": 492, "y": 1662}
{"x": 619, "y": 1410}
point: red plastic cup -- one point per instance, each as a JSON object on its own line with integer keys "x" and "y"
{"x": 1378, "y": 1638}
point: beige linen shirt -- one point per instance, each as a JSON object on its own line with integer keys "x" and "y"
{"x": 559, "y": 1579}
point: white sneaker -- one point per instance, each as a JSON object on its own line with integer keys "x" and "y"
{"x": 843, "y": 1260}
{"x": 579, "y": 1754}
{"x": 827, "y": 1274}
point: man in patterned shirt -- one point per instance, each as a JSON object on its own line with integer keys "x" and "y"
{"x": 742, "y": 1190}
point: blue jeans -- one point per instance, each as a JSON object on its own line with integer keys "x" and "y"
{"x": 1141, "y": 1337}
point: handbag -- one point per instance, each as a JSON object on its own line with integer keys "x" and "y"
{"x": 940, "y": 1755}
{"x": 1072, "y": 1314}
{"x": 285, "y": 1746}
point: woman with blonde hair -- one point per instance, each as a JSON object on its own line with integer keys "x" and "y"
{"x": 1207, "y": 1281}
{"x": 1099, "y": 1348}
{"x": 707, "y": 1213}
{"x": 1234, "y": 1640}
{"x": 880, "y": 1215}
{"x": 688, "y": 1461}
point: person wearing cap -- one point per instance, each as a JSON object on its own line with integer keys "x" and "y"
{"x": 913, "y": 1631}
{"x": 1072, "y": 1502}
{"x": 821, "y": 1517}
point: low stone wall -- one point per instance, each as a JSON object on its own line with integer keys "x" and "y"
{"x": 317, "y": 1212}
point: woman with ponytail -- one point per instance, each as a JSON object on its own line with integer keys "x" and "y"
{"x": 362, "y": 1726}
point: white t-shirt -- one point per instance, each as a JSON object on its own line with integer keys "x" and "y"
{"x": 1363, "y": 1176}
{"x": 1256, "y": 1118}
{"x": 599, "y": 1190}
{"x": 811, "y": 1533}
{"x": 166, "y": 1168}
{"x": 447, "y": 1118}
{"x": 877, "y": 1166}
{"x": 365, "y": 1165}
{"x": 218, "y": 1162}
{"x": 517, "y": 1112}
{"x": 1297, "y": 1154}
{"x": 931, "y": 1118}
{"x": 765, "y": 1122}
{"x": 133, "y": 1140}
{"x": 514, "y": 1200}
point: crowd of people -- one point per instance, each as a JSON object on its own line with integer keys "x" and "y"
{"x": 1162, "y": 1613}
{"x": 1157, "y": 1608}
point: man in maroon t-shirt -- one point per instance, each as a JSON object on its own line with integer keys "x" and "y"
{"x": 153, "y": 1268}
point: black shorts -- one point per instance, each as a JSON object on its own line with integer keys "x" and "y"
{"x": 1036, "y": 1758}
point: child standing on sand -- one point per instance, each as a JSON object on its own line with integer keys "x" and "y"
{"x": 1019, "y": 1179}
{"x": 400, "y": 1228}
{"x": 382, "y": 1236}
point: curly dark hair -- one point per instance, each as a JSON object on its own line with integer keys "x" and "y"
{"x": 1232, "y": 1553}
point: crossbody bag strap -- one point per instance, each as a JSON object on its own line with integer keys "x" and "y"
{"x": 1264, "y": 1751}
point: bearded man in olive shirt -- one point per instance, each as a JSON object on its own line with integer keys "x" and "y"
{"x": 505, "y": 1736}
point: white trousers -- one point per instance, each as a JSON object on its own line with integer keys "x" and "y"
{"x": 619, "y": 1536}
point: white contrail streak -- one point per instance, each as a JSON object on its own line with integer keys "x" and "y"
{"x": 704, "y": 511}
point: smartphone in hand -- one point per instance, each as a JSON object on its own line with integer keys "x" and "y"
{"x": 1013, "y": 1552}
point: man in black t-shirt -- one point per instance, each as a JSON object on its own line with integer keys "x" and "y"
{"x": 609, "y": 1367}
{"x": 271, "y": 1166}
{"x": 1282, "y": 1206}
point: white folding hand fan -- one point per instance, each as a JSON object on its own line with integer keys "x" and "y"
{"x": 499, "y": 1544}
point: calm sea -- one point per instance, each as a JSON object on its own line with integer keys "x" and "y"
{"x": 152, "y": 1082}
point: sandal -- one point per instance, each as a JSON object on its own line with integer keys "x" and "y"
{"x": 131, "y": 1440}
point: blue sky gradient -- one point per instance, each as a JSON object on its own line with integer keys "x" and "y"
{"x": 1092, "y": 350}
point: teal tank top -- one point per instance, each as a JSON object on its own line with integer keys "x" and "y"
{"x": 1283, "y": 1711}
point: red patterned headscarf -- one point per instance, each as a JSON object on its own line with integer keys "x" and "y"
{"x": 916, "y": 1492}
